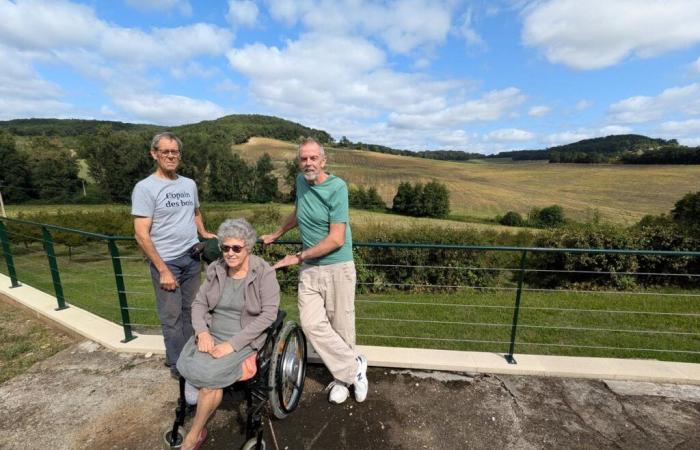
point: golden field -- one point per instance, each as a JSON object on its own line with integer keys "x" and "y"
{"x": 621, "y": 194}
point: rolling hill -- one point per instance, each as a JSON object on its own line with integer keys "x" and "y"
{"x": 480, "y": 188}
{"x": 621, "y": 194}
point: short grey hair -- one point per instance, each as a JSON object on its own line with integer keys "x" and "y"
{"x": 310, "y": 140}
{"x": 165, "y": 135}
{"x": 237, "y": 229}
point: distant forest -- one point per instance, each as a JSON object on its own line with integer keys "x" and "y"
{"x": 616, "y": 149}
{"x": 237, "y": 129}
{"x": 40, "y": 159}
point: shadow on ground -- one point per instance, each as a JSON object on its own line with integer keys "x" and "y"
{"x": 86, "y": 397}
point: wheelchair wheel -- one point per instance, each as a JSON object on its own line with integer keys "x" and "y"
{"x": 169, "y": 443}
{"x": 251, "y": 443}
{"x": 287, "y": 370}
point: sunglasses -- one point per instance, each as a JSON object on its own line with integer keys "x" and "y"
{"x": 235, "y": 248}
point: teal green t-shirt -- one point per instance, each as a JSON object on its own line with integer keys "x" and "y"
{"x": 318, "y": 206}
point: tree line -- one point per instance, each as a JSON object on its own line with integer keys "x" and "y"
{"x": 116, "y": 160}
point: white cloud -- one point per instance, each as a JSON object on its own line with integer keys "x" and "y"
{"x": 681, "y": 128}
{"x": 567, "y": 137}
{"x": 34, "y": 25}
{"x": 454, "y": 139}
{"x": 324, "y": 74}
{"x": 402, "y": 25}
{"x": 179, "y": 43}
{"x": 539, "y": 111}
{"x": 491, "y": 106}
{"x": 598, "y": 33}
{"x": 23, "y": 93}
{"x": 614, "y": 129}
{"x": 242, "y": 13}
{"x": 167, "y": 109}
{"x": 467, "y": 31}
{"x": 193, "y": 69}
{"x": 38, "y": 25}
{"x": 690, "y": 142}
{"x": 510, "y": 135}
{"x": 696, "y": 66}
{"x": 421, "y": 63}
{"x": 227, "y": 85}
{"x": 162, "y": 5}
{"x": 583, "y": 104}
{"x": 639, "y": 109}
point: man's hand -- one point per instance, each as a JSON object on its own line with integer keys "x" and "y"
{"x": 288, "y": 260}
{"x": 208, "y": 235}
{"x": 205, "y": 343}
{"x": 168, "y": 281}
{"x": 268, "y": 239}
{"x": 221, "y": 350}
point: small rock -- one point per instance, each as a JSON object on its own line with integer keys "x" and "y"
{"x": 148, "y": 355}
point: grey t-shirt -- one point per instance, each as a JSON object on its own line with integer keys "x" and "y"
{"x": 171, "y": 205}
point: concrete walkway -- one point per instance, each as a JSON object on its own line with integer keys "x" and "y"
{"x": 110, "y": 335}
{"x": 87, "y": 397}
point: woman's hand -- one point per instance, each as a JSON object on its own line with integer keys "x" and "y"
{"x": 205, "y": 343}
{"x": 221, "y": 350}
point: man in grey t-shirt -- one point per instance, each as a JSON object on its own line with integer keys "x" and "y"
{"x": 166, "y": 214}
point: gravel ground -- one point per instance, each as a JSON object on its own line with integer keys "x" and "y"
{"x": 86, "y": 397}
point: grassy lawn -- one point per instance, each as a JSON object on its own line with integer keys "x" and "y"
{"x": 621, "y": 194}
{"x": 215, "y": 212}
{"x": 557, "y": 323}
{"x": 25, "y": 340}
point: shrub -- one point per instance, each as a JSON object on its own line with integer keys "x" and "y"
{"x": 686, "y": 212}
{"x": 550, "y": 217}
{"x": 512, "y": 219}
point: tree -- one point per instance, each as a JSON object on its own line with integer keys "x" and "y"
{"x": 686, "y": 211}
{"x": 264, "y": 184}
{"x": 357, "y": 197}
{"x": 512, "y": 219}
{"x": 54, "y": 171}
{"x": 117, "y": 161}
{"x": 551, "y": 216}
{"x": 291, "y": 170}
{"x": 15, "y": 175}
{"x": 372, "y": 199}
{"x": 403, "y": 198}
{"x": 228, "y": 177}
{"x": 436, "y": 200}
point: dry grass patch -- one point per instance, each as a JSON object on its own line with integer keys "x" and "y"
{"x": 25, "y": 340}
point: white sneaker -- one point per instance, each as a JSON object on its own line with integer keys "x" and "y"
{"x": 191, "y": 394}
{"x": 339, "y": 392}
{"x": 361, "y": 383}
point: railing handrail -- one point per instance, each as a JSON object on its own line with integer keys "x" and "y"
{"x": 413, "y": 245}
{"x": 70, "y": 230}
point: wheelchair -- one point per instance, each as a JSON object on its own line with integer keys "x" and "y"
{"x": 278, "y": 383}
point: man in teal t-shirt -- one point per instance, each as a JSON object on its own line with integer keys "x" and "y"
{"x": 327, "y": 275}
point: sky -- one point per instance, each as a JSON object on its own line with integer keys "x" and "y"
{"x": 480, "y": 76}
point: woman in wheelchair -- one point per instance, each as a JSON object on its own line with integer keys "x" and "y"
{"x": 234, "y": 306}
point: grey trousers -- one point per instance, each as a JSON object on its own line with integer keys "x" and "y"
{"x": 175, "y": 307}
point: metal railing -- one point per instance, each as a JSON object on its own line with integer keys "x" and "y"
{"x": 483, "y": 298}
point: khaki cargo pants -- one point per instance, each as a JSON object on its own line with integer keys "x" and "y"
{"x": 327, "y": 314}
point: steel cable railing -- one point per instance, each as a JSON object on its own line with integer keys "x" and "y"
{"x": 437, "y": 296}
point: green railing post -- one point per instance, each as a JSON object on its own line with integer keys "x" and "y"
{"x": 516, "y": 310}
{"x": 53, "y": 266}
{"x": 121, "y": 290}
{"x": 7, "y": 251}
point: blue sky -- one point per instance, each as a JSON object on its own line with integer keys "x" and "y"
{"x": 482, "y": 76}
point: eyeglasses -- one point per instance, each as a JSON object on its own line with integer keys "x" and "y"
{"x": 235, "y": 248}
{"x": 175, "y": 153}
